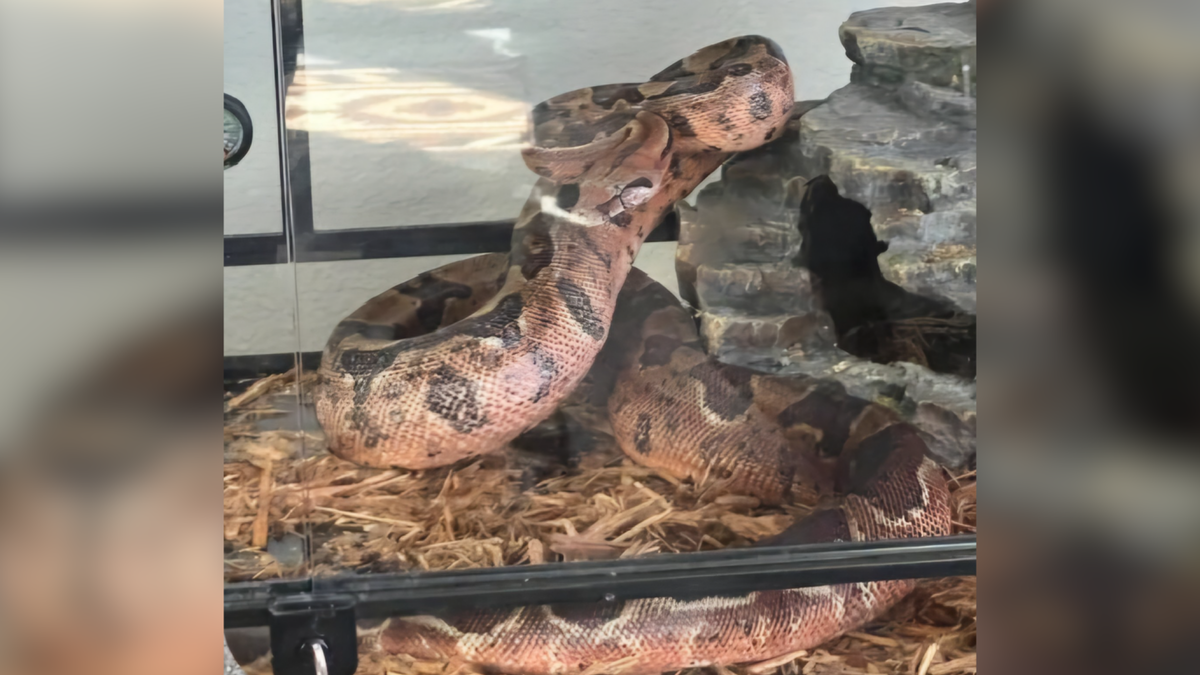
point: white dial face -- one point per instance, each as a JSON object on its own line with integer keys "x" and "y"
{"x": 233, "y": 133}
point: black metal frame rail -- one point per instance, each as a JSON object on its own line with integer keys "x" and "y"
{"x": 681, "y": 575}
{"x": 253, "y": 366}
{"x": 388, "y": 242}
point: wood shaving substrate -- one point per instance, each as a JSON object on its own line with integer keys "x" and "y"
{"x": 489, "y": 512}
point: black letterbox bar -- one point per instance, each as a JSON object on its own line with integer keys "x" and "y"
{"x": 683, "y": 575}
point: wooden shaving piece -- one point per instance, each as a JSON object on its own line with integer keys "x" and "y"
{"x": 927, "y": 659}
{"x": 537, "y": 552}
{"x": 261, "y": 387}
{"x": 875, "y": 639}
{"x": 262, "y": 521}
{"x": 962, "y": 664}
{"x": 771, "y": 664}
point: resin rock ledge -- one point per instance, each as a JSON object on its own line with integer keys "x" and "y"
{"x": 917, "y": 176}
{"x": 893, "y": 45}
{"x": 885, "y": 157}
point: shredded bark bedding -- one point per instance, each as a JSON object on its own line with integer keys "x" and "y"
{"x": 285, "y": 495}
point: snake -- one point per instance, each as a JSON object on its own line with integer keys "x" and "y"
{"x": 461, "y": 360}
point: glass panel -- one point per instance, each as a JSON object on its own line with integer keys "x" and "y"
{"x": 817, "y": 307}
{"x": 267, "y": 451}
{"x": 266, "y": 455}
{"x": 415, "y": 122}
{"x": 415, "y": 109}
{"x": 444, "y": 116}
{"x": 262, "y": 425}
{"x": 252, "y": 203}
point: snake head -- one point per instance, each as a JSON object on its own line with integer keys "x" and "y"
{"x": 732, "y": 96}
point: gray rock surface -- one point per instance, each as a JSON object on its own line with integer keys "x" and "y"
{"x": 757, "y": 288}
{"x": 926, "y": 100}
{"x": 734, "y": 266}
{"x": 899, "y": 139}
{"x": 941, "y": 406}
{"x": 893, "y": 45}
{"x": 916, "y": 175}
{"x": 886, "y": 156}
{"x": 765, "y": 342}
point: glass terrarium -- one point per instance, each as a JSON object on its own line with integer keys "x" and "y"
{"x": 560, "y": 342}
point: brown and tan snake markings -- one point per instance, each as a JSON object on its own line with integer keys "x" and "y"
{"x": 455, "y": 398}
{"x": 726, "y": 393}
{"x": 658, "y": 350}
{"x": 432, "y": 296}
{"x": 682, "y": 126}
{"x": 641, "y": 438}
{"x": 760, "y": 105}
{"x": 547, "y": 370}
{"x": 503, "y": 320}
{"x": 458, "y": 362}
{"x": 580, "y": 306}
{"x": 536, "y": 249}
{"x": 828, "y": 408}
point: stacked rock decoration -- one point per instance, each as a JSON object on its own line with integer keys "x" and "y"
{"x": 899, "y": 140}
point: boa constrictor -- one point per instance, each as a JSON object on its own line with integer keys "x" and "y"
{"x": 459, "y": 361}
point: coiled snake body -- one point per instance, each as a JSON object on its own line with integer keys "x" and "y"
{"x": 461, "y": 360}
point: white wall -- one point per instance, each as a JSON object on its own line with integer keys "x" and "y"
{"x": 416, "y": 110}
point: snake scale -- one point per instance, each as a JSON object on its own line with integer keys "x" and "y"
{"x": 461, "y": 360}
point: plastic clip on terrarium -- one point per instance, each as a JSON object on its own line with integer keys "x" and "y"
{"x": 547, "y": 451}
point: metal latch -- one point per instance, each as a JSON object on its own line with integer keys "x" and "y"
{"x": 313, "y": 634}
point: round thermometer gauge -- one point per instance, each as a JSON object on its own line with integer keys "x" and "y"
{"x": 239, "y": 131}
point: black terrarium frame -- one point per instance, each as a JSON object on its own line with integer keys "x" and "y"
{"x": 324, "y": 603}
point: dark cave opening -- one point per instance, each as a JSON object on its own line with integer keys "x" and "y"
{"x": 874, "y": 318}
